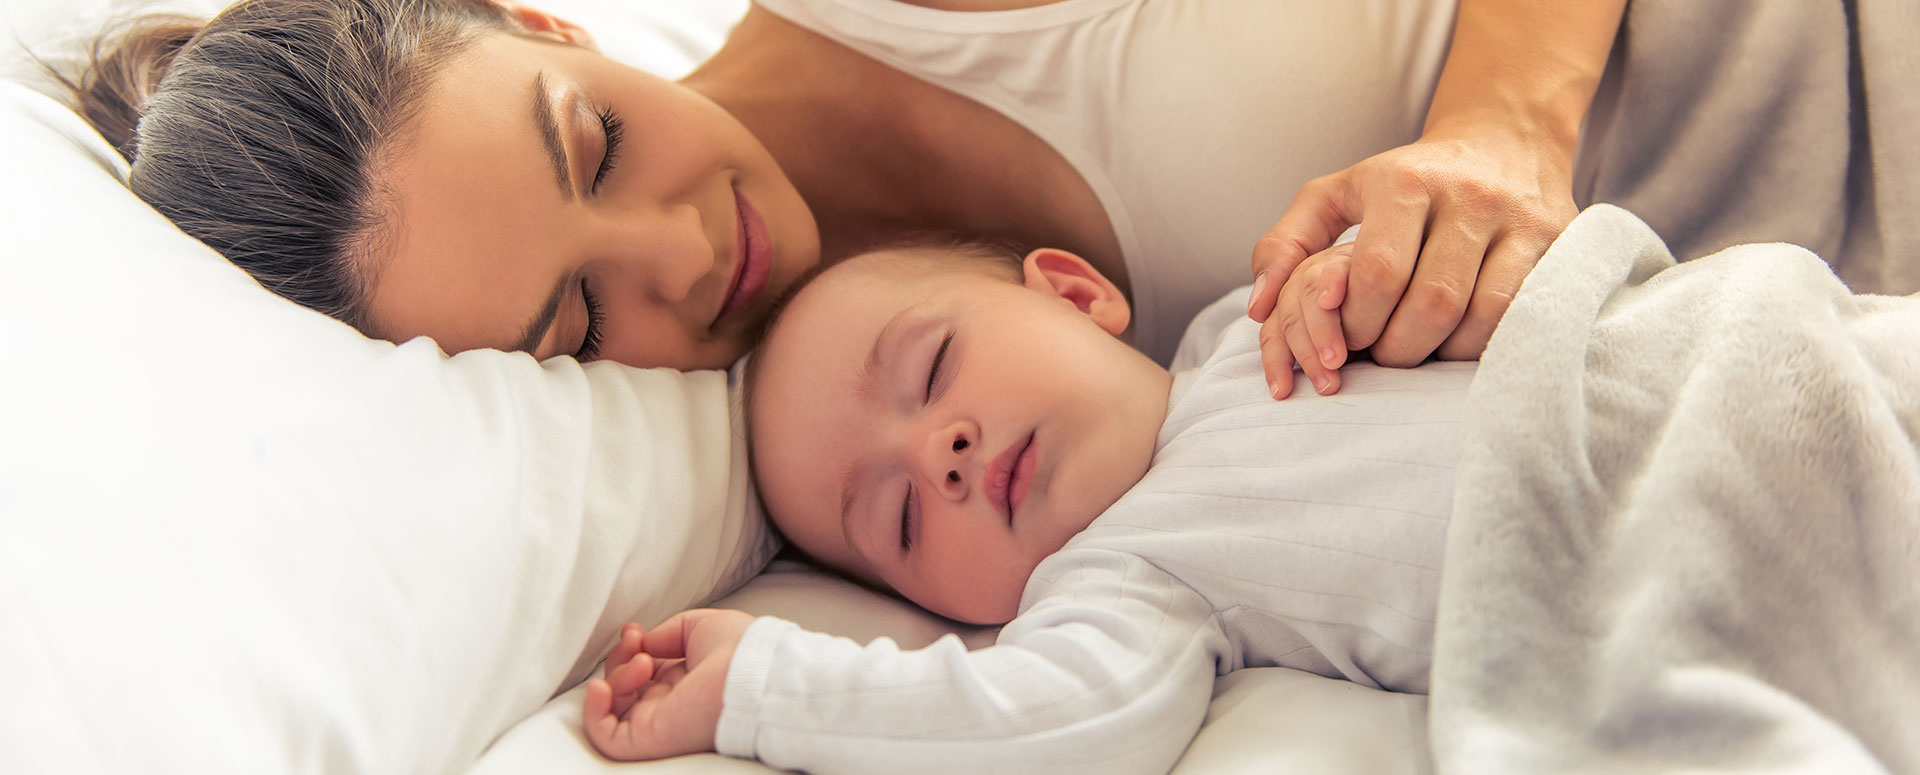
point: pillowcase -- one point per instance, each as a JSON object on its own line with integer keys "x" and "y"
{"x": 235, "y": 535}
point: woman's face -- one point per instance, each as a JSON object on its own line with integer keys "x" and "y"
{"x": 550, "y": 200}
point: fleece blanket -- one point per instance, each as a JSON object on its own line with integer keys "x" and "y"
{"x": 1686, "y": 531}
{"x": 1741, "y": 121}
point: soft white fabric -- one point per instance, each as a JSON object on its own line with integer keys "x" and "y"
{"x": 1261, "y": 721}
{"x": 1686, "y": 531}
{"x": 236, "y": 536}
{"x": 1306, "y": 533}
{"x": 1194, "y": 121}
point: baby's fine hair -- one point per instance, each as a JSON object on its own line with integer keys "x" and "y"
{"x": 258, "y": 132}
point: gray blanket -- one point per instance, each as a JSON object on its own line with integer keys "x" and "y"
{"x": 1686, "y": 531}
{"x": 1737, "y": 121}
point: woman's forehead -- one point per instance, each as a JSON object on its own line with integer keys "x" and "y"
{"x": 471, "y": 193}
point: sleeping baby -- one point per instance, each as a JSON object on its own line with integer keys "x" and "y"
{"x": 970, "y": 430}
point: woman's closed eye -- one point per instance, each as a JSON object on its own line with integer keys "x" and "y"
{"x": 614, "y": 131}
{"x": 906, "y": 520}
{"x": 596, "y": 319}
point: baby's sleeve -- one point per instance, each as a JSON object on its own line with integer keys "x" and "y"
{"x": 1108, "y": 669}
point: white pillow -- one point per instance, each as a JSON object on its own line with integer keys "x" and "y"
{"x": 237, "y": 536}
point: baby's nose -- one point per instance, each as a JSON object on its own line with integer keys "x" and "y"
{"x": 951, "y": 467}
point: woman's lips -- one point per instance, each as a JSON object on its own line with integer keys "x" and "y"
{"x": 753, "y": 264}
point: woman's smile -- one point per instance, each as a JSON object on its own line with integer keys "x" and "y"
{"x": 753, "y": 251}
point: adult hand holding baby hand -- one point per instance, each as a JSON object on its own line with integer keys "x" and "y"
{"x": 662, "y": 692}
{"x": 1453, "y": 224}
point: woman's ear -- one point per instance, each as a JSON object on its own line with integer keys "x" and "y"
{"x": 1070, "y": 278}
{"x": 548, "y": 25}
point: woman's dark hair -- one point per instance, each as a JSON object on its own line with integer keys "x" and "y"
{"x": 257, "y": 132}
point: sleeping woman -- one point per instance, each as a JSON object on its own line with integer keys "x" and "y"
{"x": 475, "y": 172}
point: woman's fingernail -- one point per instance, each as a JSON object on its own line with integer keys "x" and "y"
{"x": 1320, "y": 383}
{"x": 1259, "y": 284}
{"x": 1328, "y": 356}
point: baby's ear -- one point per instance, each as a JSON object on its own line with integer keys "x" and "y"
{"x": 1070, "y": 278}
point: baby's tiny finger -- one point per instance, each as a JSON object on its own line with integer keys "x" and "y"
{"x": 624, "y": 648}
{"x": 629, "y": 678}
{"x": 599, "y": 701}
{"x": 601, "y": 724}
{"x": 1324, "y": 379}
{"x": 1276, "y": 358}
{"x": 1324, "y": 335}
{"x": 1332, "y": 284}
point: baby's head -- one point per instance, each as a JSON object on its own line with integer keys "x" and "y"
{"x": 939, "y": 419}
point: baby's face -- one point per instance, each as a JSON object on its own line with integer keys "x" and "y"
{"x": 940, "y": 430}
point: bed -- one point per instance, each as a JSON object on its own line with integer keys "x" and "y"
{"x": 237, "y": 536}
{"x": 224, "y": 520}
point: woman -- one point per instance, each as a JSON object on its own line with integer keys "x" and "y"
{"x": 473, "y": 171}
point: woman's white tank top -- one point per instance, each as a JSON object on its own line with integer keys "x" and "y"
{"x": 1193, "y": 121}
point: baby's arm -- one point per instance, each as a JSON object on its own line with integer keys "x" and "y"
{"x": 1309, "y": 319}
{"x": 1116, "y": 685}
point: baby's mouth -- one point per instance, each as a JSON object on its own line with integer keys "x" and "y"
{"x": 1006, "y": 487}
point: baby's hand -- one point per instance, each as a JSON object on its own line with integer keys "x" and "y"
{"x": 662, "y": 691}
{"x": 1305, "y": 324}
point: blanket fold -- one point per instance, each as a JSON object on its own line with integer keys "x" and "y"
{"x": 1686, "y": 526}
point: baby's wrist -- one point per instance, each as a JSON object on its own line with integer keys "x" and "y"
{"x": 748, "y": 671}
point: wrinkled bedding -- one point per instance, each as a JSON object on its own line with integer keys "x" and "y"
{"x": 1686, "y": 529}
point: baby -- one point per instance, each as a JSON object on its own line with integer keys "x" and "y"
{"x": 971, "y": 431}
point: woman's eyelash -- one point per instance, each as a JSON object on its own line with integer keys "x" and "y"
{"x": 933, "y": 374}
{"x": 906, "y": 520}
{"x": 590, "y": 341}
{"x": 615, "y": 130}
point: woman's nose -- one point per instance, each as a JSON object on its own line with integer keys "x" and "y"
{"x": 948, "y": 465}
{"x": 665, "y": 250}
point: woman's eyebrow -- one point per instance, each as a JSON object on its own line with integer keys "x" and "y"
{"x": 536, "y": 330}
{"x": 550, "y": 134}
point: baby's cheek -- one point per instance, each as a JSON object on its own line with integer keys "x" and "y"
{"x": 981, "y": 587}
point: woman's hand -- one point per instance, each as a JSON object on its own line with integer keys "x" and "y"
{"x": 1451, "y": 226}
{"x": 1454, "y": 222}
{"x": 662, "y": 692}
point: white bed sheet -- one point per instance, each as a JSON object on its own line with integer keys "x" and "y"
{"x": 1263, "y": 720}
